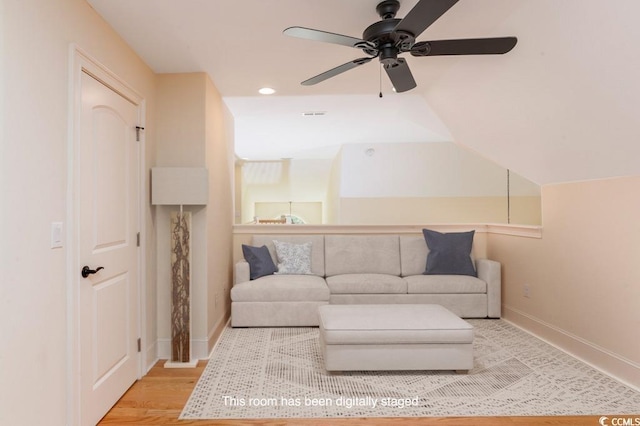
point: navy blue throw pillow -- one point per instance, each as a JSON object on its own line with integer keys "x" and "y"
{"x": 450, "y": 253}
{"x": 260, "y": 262}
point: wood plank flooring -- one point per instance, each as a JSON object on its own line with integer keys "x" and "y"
{"x": 159, "y": 397}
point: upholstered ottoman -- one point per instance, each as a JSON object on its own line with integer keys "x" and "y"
{"x": 394, "y": 337}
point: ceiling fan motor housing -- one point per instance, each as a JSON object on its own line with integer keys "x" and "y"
{"x": 388, "y": 42}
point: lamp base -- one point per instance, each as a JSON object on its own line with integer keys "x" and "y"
{"x": 175, "y": 364}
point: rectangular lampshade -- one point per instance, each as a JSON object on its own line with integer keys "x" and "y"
{"x": 179, "y": 186}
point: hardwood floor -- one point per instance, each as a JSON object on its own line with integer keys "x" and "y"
{"x": 159, "y": 397}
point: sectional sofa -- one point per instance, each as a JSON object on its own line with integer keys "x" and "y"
{"x": 355, "y": 269}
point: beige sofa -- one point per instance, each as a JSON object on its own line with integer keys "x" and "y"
{"x": 358, "y": 269}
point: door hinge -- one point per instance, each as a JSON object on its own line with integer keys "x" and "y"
{"x": 138, "y": 239}
{"x": 138, "y": 128}
{"x": 139, "y": 344}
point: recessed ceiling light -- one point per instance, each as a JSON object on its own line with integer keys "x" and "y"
{"x": 266, "y": 91}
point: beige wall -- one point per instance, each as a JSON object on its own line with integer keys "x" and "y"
{"x": 400, "y": 210}
{"x": 332, "y": 206}
{"x": 309, "y": 212}
{"x": 408, "y": 183}
{"x": 193, "y": 134}
{"x": 303, "y": 180}
{"x": 182, "y": 127}
{"x": 583, "y": 274}
{"x": 434, "y": 169}
{"x": 401, "y": 183}
{"x": 35, "y": 48}
{"x": 220, "y": 162}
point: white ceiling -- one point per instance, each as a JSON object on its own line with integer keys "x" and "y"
{"x": 241, "y": 46}
{"x": 346, "y": 119}
{"x": 561, "y": 106}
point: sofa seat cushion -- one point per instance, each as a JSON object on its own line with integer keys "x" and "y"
{"x": 366, "y": 284}
{"x": 281, "y": 288}
{"x": 444, "y": 284}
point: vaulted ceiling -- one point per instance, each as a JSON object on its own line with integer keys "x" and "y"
{"x": 561, "y": 106}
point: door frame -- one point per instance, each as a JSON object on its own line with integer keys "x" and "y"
{"x": 81, "y": 62}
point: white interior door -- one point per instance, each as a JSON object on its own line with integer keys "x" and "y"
{"x": 107, "y": 237}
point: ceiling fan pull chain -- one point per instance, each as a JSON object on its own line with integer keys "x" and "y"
{"x": 380, "y": 68}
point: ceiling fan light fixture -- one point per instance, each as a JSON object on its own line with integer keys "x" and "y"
{"x": 266, "y": 91}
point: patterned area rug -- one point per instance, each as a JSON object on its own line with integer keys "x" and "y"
{"x": 279, "y": 373}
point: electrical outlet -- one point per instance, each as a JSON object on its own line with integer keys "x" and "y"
{"x": 526, "y": 291}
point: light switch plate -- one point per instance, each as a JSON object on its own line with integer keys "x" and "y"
{"x": 56, "y": 234}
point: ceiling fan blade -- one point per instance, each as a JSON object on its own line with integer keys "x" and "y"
{"x": 423, "y": 14}
{"x": 324, "y": 36}
{"x": 335, "y": 71}
{"x": 400, "y": 76}
{"x": 470, "y": 46}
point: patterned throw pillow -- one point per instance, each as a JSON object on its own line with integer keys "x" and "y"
{"x": 293, "y": 258}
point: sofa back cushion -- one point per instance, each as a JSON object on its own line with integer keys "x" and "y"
{"x": 361, "y": 254}
{"x": 317, "y": 248}
{"x": 413, "y": 255}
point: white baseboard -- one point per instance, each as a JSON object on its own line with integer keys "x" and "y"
{"x": 190, "y": 364}
{"x": 620, "y": 368}
{"x": 151, "y": 356}
{"x": 199, "y": 349}
{"x": 164, "y": 348}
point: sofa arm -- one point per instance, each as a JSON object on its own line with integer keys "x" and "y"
{"x": 489, "y": 272}
{"x": 242, "y": 272}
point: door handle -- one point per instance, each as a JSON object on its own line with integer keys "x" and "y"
{"x": 86, "y": 271}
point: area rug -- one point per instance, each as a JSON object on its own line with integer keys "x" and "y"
{"x": 279, "y": 373}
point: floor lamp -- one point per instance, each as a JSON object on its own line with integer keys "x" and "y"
{"x": 180, "y": 186}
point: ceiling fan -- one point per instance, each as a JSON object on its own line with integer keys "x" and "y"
{"x": 388, "y": 38}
